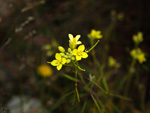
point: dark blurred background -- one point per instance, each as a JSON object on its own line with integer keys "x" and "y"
{"x": 27, "y": 25}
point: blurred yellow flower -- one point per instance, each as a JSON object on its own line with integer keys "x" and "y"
{"x": 112, "y": 62}
{"x": 141, "y": 58}
{"x": 73, "y": 42}
{"x": 138, "y": 54}
{"x": 120, "y": 16}
{"x": 138, "y": 38}
{"x": 59, "y": 62}
{"x": 45, "y": 70}
{"x": 79, "y": 53}
{"x": 47, "y": 47}
{"x": 95, "y": 34}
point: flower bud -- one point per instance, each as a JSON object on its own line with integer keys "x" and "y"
{"x": 61, "y": 49}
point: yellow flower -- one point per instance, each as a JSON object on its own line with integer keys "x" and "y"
{"x": 79, "y": 53}
{"x": 113, "y": 63}
{"x": 59, "y": 62}
{"x": 45, "y": 70}
{"x": 138, "y": 54}
{"x": 47, "y": 47}
{"x": 142, "y": 58}
{"x": 73, "y": 42}
{"x": 120, "y": 16}
{"x": 138, "y": 38}
{"x": 95, "y": 34}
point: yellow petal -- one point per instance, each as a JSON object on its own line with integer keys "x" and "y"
{"x": 58, "y": 56}
{"x": 59, "y": 67}
{"x": 81, "y": 48}
{"x": 133, "y": 53}
{"x": 69, "y": 50}
{"x": 135, "y": 38}
{"x": 141, "y": 58}
{"x": 98, "y": 32}
{"x": 63, "y": 60}
{"x": 78, "y": 57}
{"x": 84, "y": 55}
{"x": 77, "y": 37}
{"x": 79, "y": 42}
{"x": 70, "y": 37}
{"x": 99, "y": 36}
{"x": 54, "y": 63}
{"x": 74, "y": 52}
{"x": 93, "y": 31}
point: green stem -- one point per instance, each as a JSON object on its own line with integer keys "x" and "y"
{"x": 76, "y": 85}
{"x": 76, "y": 88}
{"x": 130, "y": 75}
{"x": 76, "y": 68}
{"x": 93, "y": 46}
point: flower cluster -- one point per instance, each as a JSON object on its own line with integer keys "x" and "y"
{"x": 74, "y": 53}
{"x": 137, "y": 52}
{"x": 138, "y": 55}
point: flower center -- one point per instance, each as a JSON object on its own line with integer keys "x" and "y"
{"x": 74, "y": 39}
{"x": 59, "y": 61}
{"x": 79, "y": 53}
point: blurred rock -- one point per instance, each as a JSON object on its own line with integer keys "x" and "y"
{"x": 29, "y": 105}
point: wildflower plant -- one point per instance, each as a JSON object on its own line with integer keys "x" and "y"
{"x": 136, "y": 54}
{"x": 71, "y": 57}
{"x": 75, "y": 52}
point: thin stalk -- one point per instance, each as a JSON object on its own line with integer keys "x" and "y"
{"x": 130, "y": 75}
{"x": 76, "y": 88}
{"x": 76, "y": 68}
{"x": 76, "y": 85}
{"x": 93, "y": 46}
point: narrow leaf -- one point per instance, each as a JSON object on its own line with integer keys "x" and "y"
{"x": 78, "y": 97}
{"x": 71, "y": 78}
{"x": 96, "y": 103}
{"x": 105, "y": 84}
